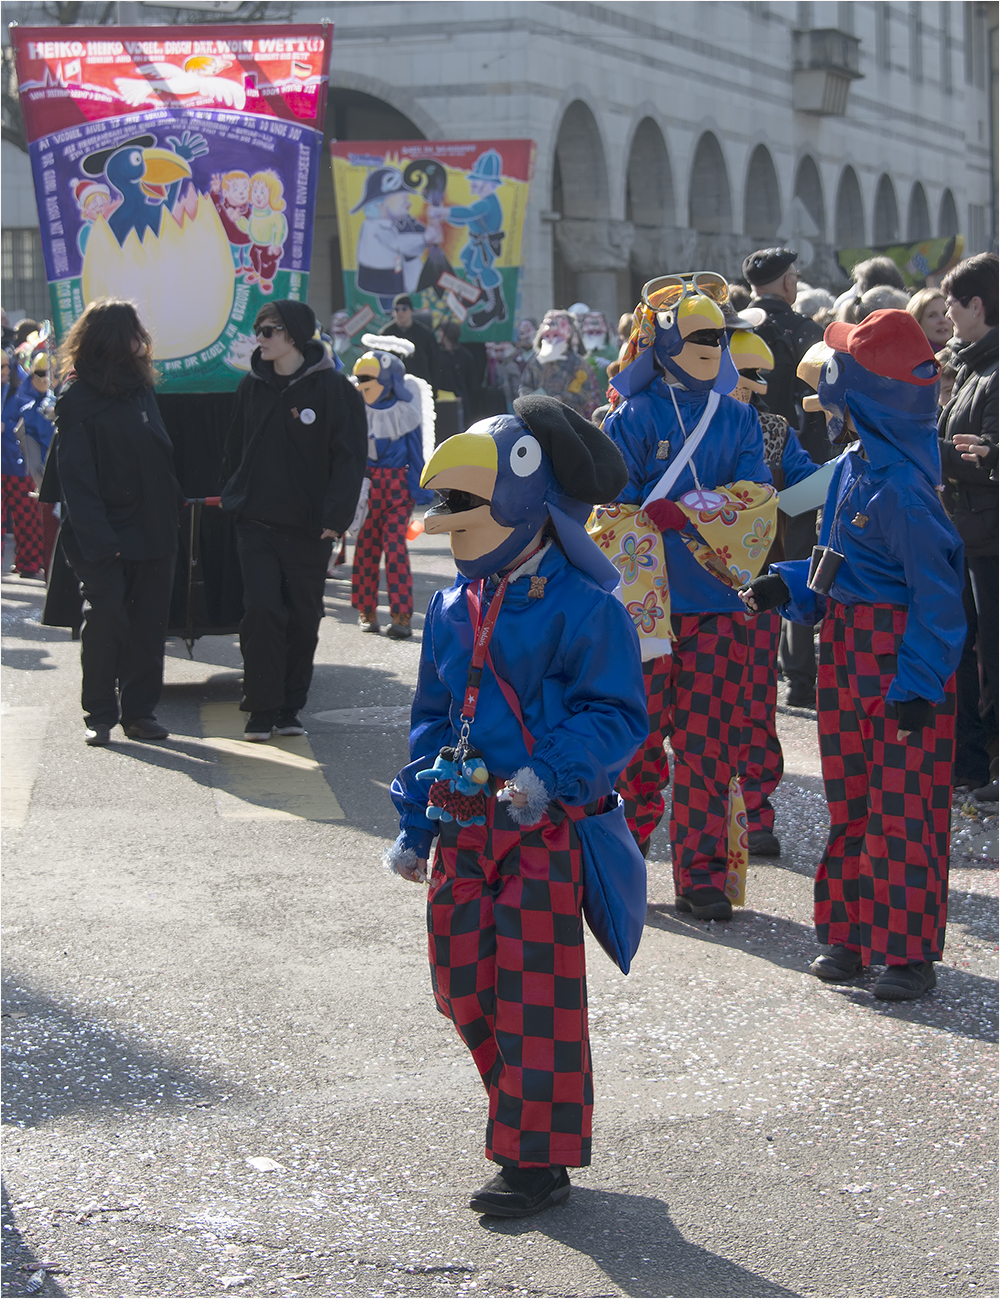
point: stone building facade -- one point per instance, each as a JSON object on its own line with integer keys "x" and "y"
{"x": 669, "y": 135}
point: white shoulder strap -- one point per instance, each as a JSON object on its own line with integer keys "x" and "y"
{"x": 673, "y": 471}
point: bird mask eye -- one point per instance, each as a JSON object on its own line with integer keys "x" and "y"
{"x": 525, "y": 456}
{"x": 832, "y": 372}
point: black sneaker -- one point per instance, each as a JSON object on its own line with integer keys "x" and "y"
{"x": 988, "y": 793}
{"x": 905, "y": 982}
{"x": 520, "y": 1192}
{"x": 96, "y": 735}
{"x": 145, "y": 728}
{"x": 705, "y": 904}
{"x": 288, "y": 722}
{"x": 259, "y": 727}
{"x": 838, "y": 965}
{"x": 800, "y": 697}
{"x": 762, "y": 843}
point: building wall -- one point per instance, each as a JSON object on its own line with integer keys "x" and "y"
{"x": 667, "y": 134}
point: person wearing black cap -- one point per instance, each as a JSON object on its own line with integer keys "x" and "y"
{"x": 424, "y": 361}
{"x": 295, "y": 460}
{"x": 789, "y": 335}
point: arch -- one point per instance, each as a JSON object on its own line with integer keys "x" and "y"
{"x": 918, "y": 217}
{"x": 809, "y": 189}
{"x": 649, "y": 181}
{"x": 710, "y": 204}
{"x": 357, "y": 115}
{"x": 885, "y": 225}
{"x": 947, "y": 214}
{"x": 761, "y": 197}
{"x": 849, "y": 230}
{"x": 580, "y": 166}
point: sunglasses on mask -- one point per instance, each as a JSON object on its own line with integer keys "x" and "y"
{"x": 265, "y": 331}
{"x": 706, "y": 337}
{"x": 667, "y": 290}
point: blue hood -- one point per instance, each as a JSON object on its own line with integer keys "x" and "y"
{"x": 890, "y": 435}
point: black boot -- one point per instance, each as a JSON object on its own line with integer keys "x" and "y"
{"x": 493, "y": 308}
{"x": 519, "y": 1192}
{"x": 705, "y": 904}
{"x": 838, "y": 965}
{"x": 905, "y": 982}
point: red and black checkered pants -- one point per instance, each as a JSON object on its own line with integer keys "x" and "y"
{"x": 695, "y": 699}
{"x": 507, "y": 968}
{"x": 26, "y": 522}
{"x": 761, "y": 761}
{"x": 389, "y": 507}
{"x": 882, "y": 884}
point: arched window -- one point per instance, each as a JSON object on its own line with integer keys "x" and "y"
{"x": 886, "y": 222}
{"x": 809, "y": 188}
{"x": 947, "y": 214}
{"x": 649, "y": 201}
{"x": 710, "y": 206}
{"x": 762, "y": 201}
{"x": 579, "y": 187}
{"x": 918, "y": 217}
{"x": 850, "y": 219}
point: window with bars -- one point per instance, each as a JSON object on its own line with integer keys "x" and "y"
{"x": 883, "y": 42}
{"x": 24, "y": 285}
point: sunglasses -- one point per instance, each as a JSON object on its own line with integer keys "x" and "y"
{"x": 265, "y": 331}
{"x": 706, "y": 337}
{"x": 667, "y": 290}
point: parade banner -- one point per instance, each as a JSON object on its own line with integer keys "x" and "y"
{"x": 923, "y": 263}
{"x": 177, "y": 167}
{"x": 441, "y": 220}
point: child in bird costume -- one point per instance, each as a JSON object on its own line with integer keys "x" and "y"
{"x": 529, "y": 703}
{"x": 691, "y": 527}
{"x": 886, "y": 581}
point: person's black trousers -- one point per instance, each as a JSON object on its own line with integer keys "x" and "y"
{"x": 797, "y": 649}
{"x": 284, "y": 576}
{"x": 976, "y": 678}
{"x": 125, "y": 614}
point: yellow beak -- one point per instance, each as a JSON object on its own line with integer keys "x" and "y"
{"x": 163, "y": 166}
{"x": 467, "y": 462}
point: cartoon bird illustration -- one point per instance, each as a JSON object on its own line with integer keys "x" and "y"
{"x": 141, "y": 176}
{"x": 196, "y": 77}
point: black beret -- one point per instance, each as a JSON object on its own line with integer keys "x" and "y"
{"x": 588, "y": 466}
{"x": 767, "y": 264}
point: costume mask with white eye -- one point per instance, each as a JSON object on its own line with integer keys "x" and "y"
{"x": 832, "y": 393}
{"x": 525, "y": 456}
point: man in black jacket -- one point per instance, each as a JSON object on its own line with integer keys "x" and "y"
{"x": 296, "y": 456}
{"x": 424, "y": 361}
{"x": 789, "y": 335}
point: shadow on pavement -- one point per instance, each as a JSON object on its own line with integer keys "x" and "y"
{"x": 19, "y": 1263}
{"x": 26, "y": 660}
{"x": 56, "y": 1063}
{"x": 632, "y": 1238}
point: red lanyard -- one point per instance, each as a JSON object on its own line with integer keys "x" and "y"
{"x": 481, "y": 645}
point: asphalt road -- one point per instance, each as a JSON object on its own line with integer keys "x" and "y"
{"x": 199, "y": 974}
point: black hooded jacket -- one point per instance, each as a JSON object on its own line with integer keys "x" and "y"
{"x": 970, "y": 489}
{"x": 296, "y": 451}
{"x": 115, "y": 464}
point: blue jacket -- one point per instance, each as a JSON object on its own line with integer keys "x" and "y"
{"x": 906, "y": 553}
{"x": 12, "y": 459}
{"x": 36, "y": 425}
{"x": 572, "y": 658}
{"x": 401, "y": 444}
{"x": 796, "y": 464}
{"x": 732, "y": 449}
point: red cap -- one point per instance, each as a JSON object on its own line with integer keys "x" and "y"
{"x": 888, "y": 343}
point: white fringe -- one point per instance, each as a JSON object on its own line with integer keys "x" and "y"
{"x": 527, "y": 782}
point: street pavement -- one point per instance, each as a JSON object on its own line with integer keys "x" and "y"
{"x": 224, "y": 1068}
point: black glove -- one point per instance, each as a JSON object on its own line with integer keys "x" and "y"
{"x": 769, "y": 591}
{"x": 914, "y": 714}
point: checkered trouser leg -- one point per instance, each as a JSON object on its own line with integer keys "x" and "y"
{"x": 26, "y": 521}
{"x": 761, "y": 761}
{"x": 694, "y": 697}
{"x": 505, "y": 937}
{"x": 389, "y": 507}
{"x": 882, "y": 884}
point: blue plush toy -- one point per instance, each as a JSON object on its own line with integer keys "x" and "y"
{"x": 456, "y": 792}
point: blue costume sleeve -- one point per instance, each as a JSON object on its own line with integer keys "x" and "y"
{"x": 36, "y": 425}
{"x": 430, "y": 729}
{"x": 464, "y": 216}
{"x": 751, "y": 465}
{"x": 805, "y": 606}
{"x": 580, "y": 759}
{"x": 415, "y": 467}
{"x": 935, "y": 625}
{"x": 796, "y": 464}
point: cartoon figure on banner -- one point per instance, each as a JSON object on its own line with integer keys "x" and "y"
{"x": 436, "y": 264}
{"x": 93, "y": 200}
{"x": 391, "y": 244}
{"x": 198, "y": 76}
{"x": 231, "y": 195}
{"x": 158, "y": 234}
{"x": 484, "y": 219}
{"x": 266, "y": 226}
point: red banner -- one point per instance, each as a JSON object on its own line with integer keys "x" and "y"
{"x": 71, "y": 75}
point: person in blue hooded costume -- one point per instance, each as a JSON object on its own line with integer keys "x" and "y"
{"x": 886, "y": 581}
{"x": 675, "y": 377}
{"x": 549, "y": 712}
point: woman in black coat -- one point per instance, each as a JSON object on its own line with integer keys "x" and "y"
{"x": 969, "y": 455}
{"x": 121, "y": 504}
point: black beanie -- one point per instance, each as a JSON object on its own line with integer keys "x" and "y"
{"x": 298, "y": 318}
{"x": 587, "y": 464}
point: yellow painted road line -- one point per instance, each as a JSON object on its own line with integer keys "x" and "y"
{"x": 277, "y": 781}
{"x": 22, "y": 735}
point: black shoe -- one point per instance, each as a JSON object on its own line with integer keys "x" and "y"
{"x": 988, "y": 794}
{"x": 705, "y": 904}
{"x": 288, "y": 722}
{"x": 520, "y": 1192}
{"x": 905, "y": 982}
{"x": 145, "y": 728}
{"x": 762, "y": 843}
{"x": 968, "y": 782}
{"x": 96, "y": 735}
{"x": 800, "y": 697}
{"x": 838, "y": 965}
{"x": 259, "y": 727}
